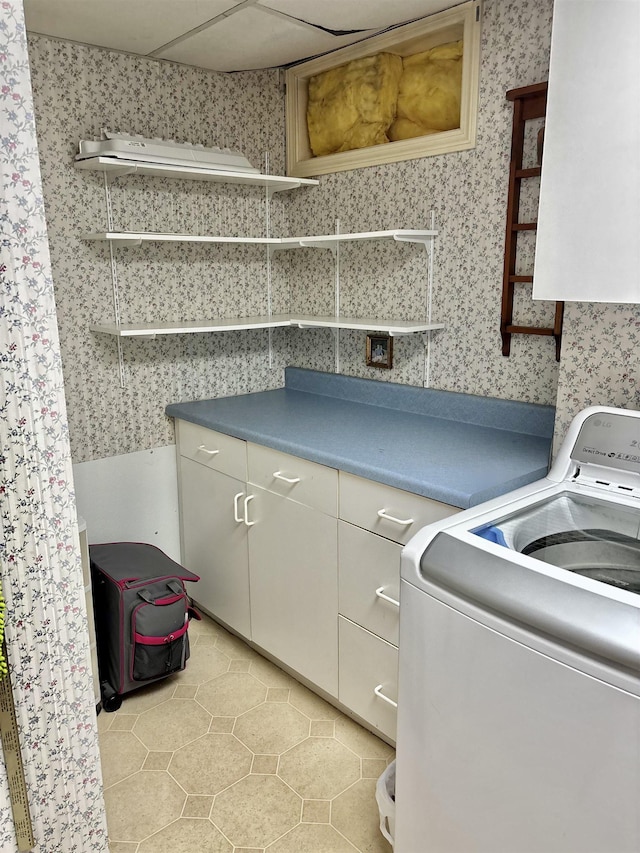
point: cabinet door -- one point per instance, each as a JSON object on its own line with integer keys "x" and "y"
{"x": 214, "y": 544}
{"x": 294, "y": 586}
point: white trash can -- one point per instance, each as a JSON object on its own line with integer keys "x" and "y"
{"x": 386, "y": 799}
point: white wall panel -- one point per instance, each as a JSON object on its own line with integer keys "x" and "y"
{"x": 133, "y": 497}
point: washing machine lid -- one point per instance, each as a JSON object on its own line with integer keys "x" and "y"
{"x": 597, "y": 619}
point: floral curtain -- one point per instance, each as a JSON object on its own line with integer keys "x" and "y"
{"x": 40, "y": 568}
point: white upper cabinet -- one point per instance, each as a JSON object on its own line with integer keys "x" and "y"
{"x": 588, "y": 238}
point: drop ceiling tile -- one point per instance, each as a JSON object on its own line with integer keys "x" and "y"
{"x": 254, "y": 37}
{"x": 136, "y": 26}
{"x": 358, "y": 14}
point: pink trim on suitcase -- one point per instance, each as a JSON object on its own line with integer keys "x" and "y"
{"x": 159, "y": 641}
{"x": 170, "y": 599}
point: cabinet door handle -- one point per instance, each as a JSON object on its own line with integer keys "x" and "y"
{"x": 291, "y": 480}
{"x": 405, "y": 522}
{"x": 246, "y": 511}
{"x": 203, "y": 449}
{"x": 378, "y": 691}
{"x": 236, "y": 514}
{"x": 380, "y": 593}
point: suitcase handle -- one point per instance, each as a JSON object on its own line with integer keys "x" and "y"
{"x": 174, "y": 586}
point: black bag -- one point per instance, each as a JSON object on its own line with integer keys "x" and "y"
{"x": 142, "y": 614}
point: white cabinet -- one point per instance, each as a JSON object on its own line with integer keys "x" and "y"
{"x": 369, "y": 588}
{"x": 303, "y": 561}
{"x": 214, "y": 537}
{"x": 260, "y": 529}
{"x": 589, "y": 215}
{"x": 369, "y": 677}
{"x": 295, "y": 478}
{"x": 215, "y": 544}
{"x": 392, "y": 513}
{"x": 294, "y": 587}
{"x": 293, "y": 563}
{"x": 376, "y": 520}
{"x": 213, "y": 449}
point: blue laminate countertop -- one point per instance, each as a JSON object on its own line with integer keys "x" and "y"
{"x": 456, "y": 448}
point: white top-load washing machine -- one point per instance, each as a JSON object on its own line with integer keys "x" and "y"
{"x": 519, "y": 684}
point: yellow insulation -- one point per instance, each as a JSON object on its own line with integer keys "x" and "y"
{"x": 429, "y": 96}
{"x": 384, "y": 98}
{"x": 353, "y": 106}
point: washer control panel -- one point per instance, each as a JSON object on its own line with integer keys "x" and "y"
{"x": 611, "y": 440}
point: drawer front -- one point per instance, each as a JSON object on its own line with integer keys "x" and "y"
{"x": 369, "y": 575}
{"x": 291, "y": 477}
{"x": 213, "y": 449}
{"x": 368, "y": 664}
{"x": 389, "y": 512}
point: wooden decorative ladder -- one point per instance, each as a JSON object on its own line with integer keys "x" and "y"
{"x": 529, "y": 102}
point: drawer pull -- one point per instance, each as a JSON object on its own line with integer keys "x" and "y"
{"x": 236, "y": 514}
{"x": 203, "y": 449}
{"x": 246, "y": 511}
{"x": 291, "y": 480}
{"x": 405, "y": 522}
{"x": 378, "y": 691}
{"x": 380, "y": 593}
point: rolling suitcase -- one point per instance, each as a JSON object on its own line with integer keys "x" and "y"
{"x": 142, "y": 614}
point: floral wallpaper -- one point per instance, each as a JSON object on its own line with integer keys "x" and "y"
{"x": 61, "y": 392}
{"x": 79, "y": 89}
{"x": 467, "y": 191}
{"x": 40, "y": 568}
{"x": 48, "y": 352}
{"x": 600, "y": 365}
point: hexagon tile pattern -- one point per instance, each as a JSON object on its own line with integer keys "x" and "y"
{"x": 235, "y": 755}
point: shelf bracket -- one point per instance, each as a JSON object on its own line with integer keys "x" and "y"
{"x": 331, "y": 247}
{"x": 427, "y": 242}
{"x": 126, "y": 244}
{"x": 112, "y": 174}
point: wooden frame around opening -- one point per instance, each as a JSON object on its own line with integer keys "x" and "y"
{"x": 461, "y": 22}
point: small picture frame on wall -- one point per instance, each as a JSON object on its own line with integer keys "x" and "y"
{"x": 380, "y": 351}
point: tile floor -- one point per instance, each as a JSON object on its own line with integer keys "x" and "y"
{"x": 233, "y": 755}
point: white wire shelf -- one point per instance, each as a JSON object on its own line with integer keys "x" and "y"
{"x": 365, "y": 324}
{"x": 134, "y": 238}
{"x": 330, "y": 241}
{"x": 325, "y": 241}
{"x": 391, "y": 327}
{"x": 118, "y": 168}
